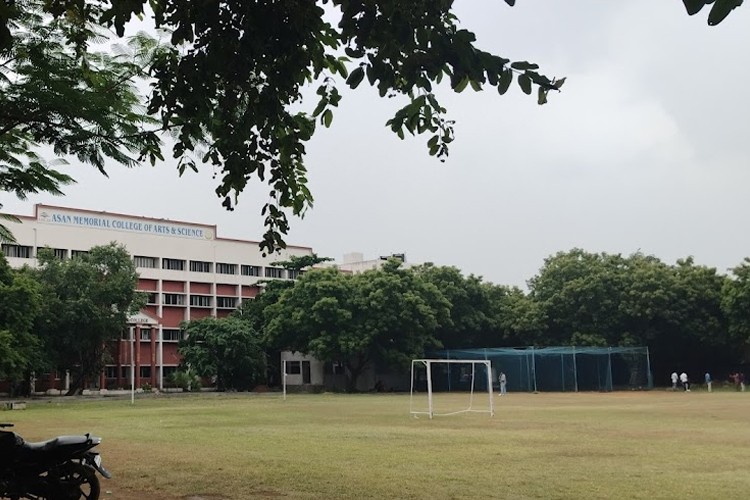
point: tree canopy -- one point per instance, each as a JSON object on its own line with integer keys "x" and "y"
{"x": 385, "y": 316}
{"x": 86, "y": 302}
{"x": 20, "y": 303}
{"x": 225, "y": 348}
{"x": 229, "y": 84}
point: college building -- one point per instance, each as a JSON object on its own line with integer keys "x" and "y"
{"x": 187, "y": 271}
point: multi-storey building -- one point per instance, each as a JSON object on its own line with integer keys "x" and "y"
{"x": 187, "y": 271}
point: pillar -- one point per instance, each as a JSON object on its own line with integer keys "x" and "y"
{"x": 137, "y": 356}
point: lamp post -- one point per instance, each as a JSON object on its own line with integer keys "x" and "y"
{"x": 132, "y": 364}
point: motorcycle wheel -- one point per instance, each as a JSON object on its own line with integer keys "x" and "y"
{"x": 77, "y": 482}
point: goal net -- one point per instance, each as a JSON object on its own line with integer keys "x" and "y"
{"x": 450, "y": 386}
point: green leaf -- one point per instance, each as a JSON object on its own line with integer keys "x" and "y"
{"x": 524, "y": 65}
{"x": 693, "y": 6}
{"x": 721, "y": 10}
{"x": 559, "y": 83}
{"x": 460, "y": 86}
{"x": 321, "y": 106}
{"x": 356, "y": 77}
{"x": 525, "y": 83}
{"x": 542, "y": 99}
{"x": 506, "y": 78}
{"x": 475, "y": 85}
{"x": 327, "y": 118}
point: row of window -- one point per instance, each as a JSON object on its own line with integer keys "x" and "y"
{"x": 201, "y": 266}
{"x": 167, "y": 334}
{"x": 178, "y": 299}
{"x": 196, "y": 266}
{"x": 27, "y": 252}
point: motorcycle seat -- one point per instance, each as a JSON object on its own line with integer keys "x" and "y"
{"x": 55, "y": 442}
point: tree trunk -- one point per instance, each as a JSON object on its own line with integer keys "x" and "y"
{"x": 75, "y": 385}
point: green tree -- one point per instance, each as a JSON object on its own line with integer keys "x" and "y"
{"x": 253, "y": 312}
{"x": 79, "y": 103}
{"x": 467, "y": 323}
{"x": 383, "y": 316}
{"x": 735, "y": 303}
{"x": 86, "y": 302}
{"x": 300, "y": 263}
{"x": 515, "y": 319}
{"x": 20, "y": 303}
{"x": 608, "y": 300}
{"x": 230, "y": 84}
{"x": 225, "y": 348}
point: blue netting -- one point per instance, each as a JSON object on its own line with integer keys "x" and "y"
{"x": 561, "y": 368}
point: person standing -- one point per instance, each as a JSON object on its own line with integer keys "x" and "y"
{"x": 674, "y": 381}
{"x": 741, "y": 378}
{"x": 503, "y": 382}
{"x": 685, "y": 382}
{"x": 707, "y": 378}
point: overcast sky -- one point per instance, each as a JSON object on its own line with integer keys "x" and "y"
{"x": 646, "y": 149}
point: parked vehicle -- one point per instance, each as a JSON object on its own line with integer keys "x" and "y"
{"x": 63, "y": 468}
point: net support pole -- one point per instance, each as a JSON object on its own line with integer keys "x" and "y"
{"x": 575, "y": 369}
{"x": 562, "y": 370}
{"x": 533, "y": 366}
{"x": 491, "y": 392}
{"x": 609, "y": 369}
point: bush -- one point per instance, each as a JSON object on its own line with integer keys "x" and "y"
{"x": 185, "y": 380}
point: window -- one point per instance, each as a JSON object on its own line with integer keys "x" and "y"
{"x": 293, "y": 367}
{"x": 145, "y": 372}
{"x": 250, "y": 270}
{"x": 78, "y": 253}
{"x": 293, "y": 274}
{"x": 171, "y": 335}
{"x": 223, "y": 268}
{"x": 226, "y": 302}
{"x": 110, "y": 372}
{"x": 173, "y": 264}
{"x": 167, "y": 371}
{"x": 199, "y": 266}
{"x": 200, "y": 300}
{"x": 274, "y": 272}
{"x": 149, "y": 262}
{"x": 151, "y": 298}
{"x": 60, "y": 253}
{"x": 173, "y": 299}
{"x": 145, "y": 334}
{"x": 21, "y": 251}
{"x": 125, "y": 372}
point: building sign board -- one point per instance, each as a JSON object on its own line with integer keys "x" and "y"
{"x": 122, "y": 223}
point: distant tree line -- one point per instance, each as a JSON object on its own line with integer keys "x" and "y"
{"x": 60, "y": 315}
{"x": 690, "y": 316}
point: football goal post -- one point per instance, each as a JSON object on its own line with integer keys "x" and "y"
{"x": 450, "y": 386}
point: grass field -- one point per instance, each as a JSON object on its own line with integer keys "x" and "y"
{"x": 648, "y": 445}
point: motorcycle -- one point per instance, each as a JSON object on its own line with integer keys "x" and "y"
{"x": 63, "y": 468}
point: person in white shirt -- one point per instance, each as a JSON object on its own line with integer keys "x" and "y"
{"x": 503, "y": 381}
{"x": 684, "y": 380}
{"x": 675, "y": 378}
